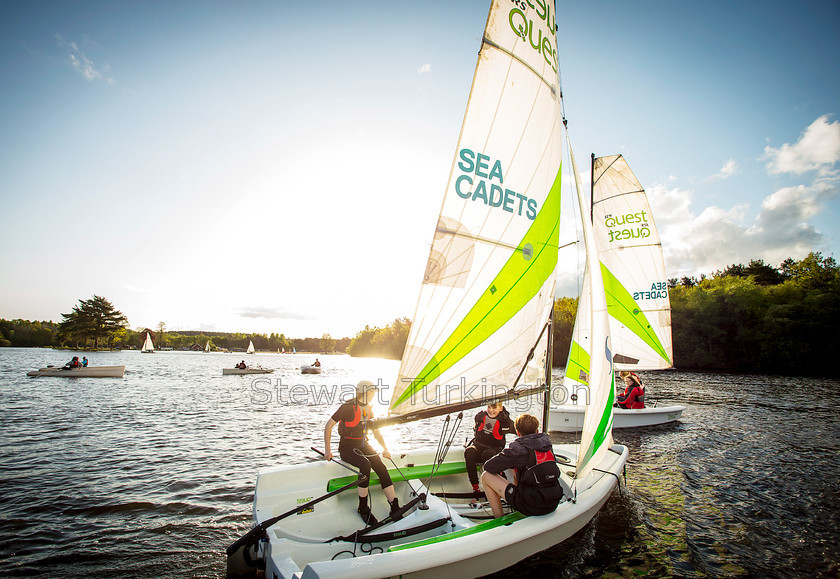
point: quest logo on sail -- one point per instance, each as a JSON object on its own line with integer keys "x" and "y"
{"x": 636, "y": 226}
{"x": 476, "y": 183}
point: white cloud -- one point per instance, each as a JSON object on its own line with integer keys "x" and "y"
{"x": 817, "y": 149}
{"x": 717, "y": 237}
{"x": 729, "y": 168}
{"x": 82, "y": 64}
{"x": 270, "y": 313}
{"x": 424, "y": 69}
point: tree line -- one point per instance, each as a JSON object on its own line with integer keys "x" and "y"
{"x": 744, "y": 318}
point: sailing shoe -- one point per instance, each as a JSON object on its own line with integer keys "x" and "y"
{"x": 367, "y": 516}
{"x": 395, "y": 506}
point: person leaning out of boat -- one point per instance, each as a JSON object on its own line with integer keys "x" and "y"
{"x": 74, "y": 363}
{"x": 352, "y": 418}
{"x": 490, "y": 428}
{"x": 536, "y": 489}
{"x": 634, "y": 392}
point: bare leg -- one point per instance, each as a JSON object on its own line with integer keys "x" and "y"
{"x": 389, "y": 493}
{"x": 494, "y": 488}
{"x": 363, "y": 492}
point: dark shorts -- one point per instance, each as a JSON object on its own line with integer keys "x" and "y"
{"x": 533, "y": 501}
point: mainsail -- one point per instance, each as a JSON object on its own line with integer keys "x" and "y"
{"x": 147, "y": 345}
{"x": 488, "y": 287}
{"x": 633, "y": 267}
{"x": 250, "y": 349}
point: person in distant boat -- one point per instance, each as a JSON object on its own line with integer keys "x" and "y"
{"x": 536, "y": 489}
{"x": 317, "y": 363}
{"x": 352, "y": 418}
{"x": 241, "y": 365}
{"x": 72, "y": 364}
{"x": 85, "y": 362}
{"x": 634, "y": 392}
{"x": 490, "y": 428}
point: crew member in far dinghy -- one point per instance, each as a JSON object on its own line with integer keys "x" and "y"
{"x": 634, "y": 393}
{"x": 352, "y": 418}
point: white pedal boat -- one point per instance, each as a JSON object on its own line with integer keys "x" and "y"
{"x": 81, "y": 372}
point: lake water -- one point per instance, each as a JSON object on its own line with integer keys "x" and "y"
{"x": 153, "y": 475}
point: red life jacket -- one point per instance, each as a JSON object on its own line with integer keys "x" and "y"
{"x": 543, "y": 472}
{"x": 356, "y": 427}
{"x": 634, "y": 397}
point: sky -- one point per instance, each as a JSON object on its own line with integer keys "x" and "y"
{"x": 279, "y": 166}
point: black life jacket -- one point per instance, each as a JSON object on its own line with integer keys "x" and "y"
{"x": 543, "y": 471}
{"x": 355, "y": 428}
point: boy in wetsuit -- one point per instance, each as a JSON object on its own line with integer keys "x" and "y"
{"x": 491, "y": 426}
{"x": 352, "y": 418}
{"x": 537, "y": 489}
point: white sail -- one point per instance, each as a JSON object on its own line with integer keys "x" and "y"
{"x": 207, "y": 346}
{"x": 488, "y": 286}
{"x": 250, "y": 347}
{"x": 633, "y": 268}
{"x": 596, "y": 437}
{"x": 147, "y": 345}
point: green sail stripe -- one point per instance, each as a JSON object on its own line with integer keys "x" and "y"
{"x": 578, "y": 363}
{"x": 518, "y": 281}
{"x": 604, "y": 427}
{"x": 622, "y": 306}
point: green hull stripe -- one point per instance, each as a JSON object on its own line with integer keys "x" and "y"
{"x": 516, "y": 284}
{"x": 622, "y": 306}
{"x": 501, "y": 521}
{"x": 420, "y": 471}
{"x": 578, "y": 365}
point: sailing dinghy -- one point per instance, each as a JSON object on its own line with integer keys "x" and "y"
{"x": 148, "y": 347}
{"x": 244, "y": 371}
{"x": 482, "y": 324}
{"x": 250, "y": 349}
{"x": 633, "y": 269}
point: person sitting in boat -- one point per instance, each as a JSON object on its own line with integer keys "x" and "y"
{"x": 241, "y": 365}
{"x": 317, "y": 363}
{"x": 352, "y": 418}
{"x": 536, "y": 489}
{"x": 634, "y": 392}
{"x": 491, "y": 426}
{"x": 72, "y": 364}
{"x": 85, "y": 362}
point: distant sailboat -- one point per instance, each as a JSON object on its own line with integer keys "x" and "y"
{"x": 250, "y": 348}
{"x": 633, "y": 270}
{"x": 207, "y": 346}
{"x": 148, "y": 347}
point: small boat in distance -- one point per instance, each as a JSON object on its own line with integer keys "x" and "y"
{"x": 242, "y": 371}
{"x": 310, "y": 369}
{"x": 250, "y": 347}
{"x": 148, "y": 347}
{"x": 207, "y": 346}
{"x": 81, "y": 372}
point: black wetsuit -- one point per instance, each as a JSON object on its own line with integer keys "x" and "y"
{"x": 353, "y": 447}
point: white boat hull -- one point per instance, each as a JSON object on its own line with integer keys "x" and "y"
{"x": 239, "y": 371}
{"x": 300, "y": 546}
{"x": 569, "y": 418}
{"x": 84, "y": 372}
{"x": 310, "y": 369}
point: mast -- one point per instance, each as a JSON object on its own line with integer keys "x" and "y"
{"x": 549, "y": 362}
{"x": 592, "y": 191}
